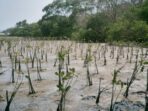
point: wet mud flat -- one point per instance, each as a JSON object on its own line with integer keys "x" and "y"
{"x": 81, "y": 96}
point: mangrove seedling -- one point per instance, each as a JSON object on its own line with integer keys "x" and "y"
{"x": 64, "y": 86}
{"x": 101, "y": 90}
{"x": 31, "y": 89}
{"x": 146, "y": 94}
{"x": 133, "y": 77}
{"x": 9, "y": 100}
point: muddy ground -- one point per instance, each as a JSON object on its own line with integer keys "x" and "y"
{"x": 81, "y": 97}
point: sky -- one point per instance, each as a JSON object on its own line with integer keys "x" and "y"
{"x": 13, "y": 11}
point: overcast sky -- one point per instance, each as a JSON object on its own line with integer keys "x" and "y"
{"x": 12, "y": 11}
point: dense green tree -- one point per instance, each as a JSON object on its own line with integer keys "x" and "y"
{"x": 56, "y": 26}
{"x": 143, "y": 13}
{"x": 96, "y": 27}
{"x": 24, "y": 29}
{"x": 90, "y": 21}
{"x": 124, "y": 30}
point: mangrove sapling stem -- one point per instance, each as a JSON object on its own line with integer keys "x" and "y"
{"x": 42, "y": 54}
{"x": 100, "y": 91}
{"x": 117, "y": 59}
{"x": 89, "y": 77}
{"x": 19, "y": 65}
{"x": 127, "y": 57}
{"x": 112, "y": 98}
{"x": 32, "y": 57}
{"x": 132, "y": 51}
{"x": 142, "y": 52}
{"x": 68, "y": 58}
{"x": 141, "y": 61}
{"x": 55, "y": 62}
{"x": 133, "y": 77}
{"x": 13, "y": 78}
{"x": 0, "y": 63}
{"x": 115, "y": 81}
{"x": 96, "y": 64}
{"x": 38, "y": 71}
{"x": 40, "y": 64}
{"x": 85, "y": 61}
{"x": 60, "y": 70}
{"x": 112, "y": 52}
{"x": 61, "y": 56}
{"x": 88, "y": 59}
{"x": 31, "y": 89}
{"x": 123, "y": 52}
{"x": 131, "y": 58}
{"x": 146, "y": 53}
{"x": 128, "y": 48}
{"x": 15, "y": 62}
{"x": 82, "y": 53}
{"x": 46, "y": 57}
{"x": 9, "y": 101}
{"x": 64, "y": 87}
{"x": 105, "y": 61}
{"x": 119, "y": 92}
{"x": 99, "y": 55}
{"x": 113, "y": 101}
{"x": 67, "y": 68}
{"x": 12, "y": 70}
{"x": 21, "y": 51}
{"x": 75, "y": 52}
{"x": 146, "y": 94}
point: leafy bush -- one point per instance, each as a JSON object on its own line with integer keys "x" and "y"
{"x": 123, "y": 30}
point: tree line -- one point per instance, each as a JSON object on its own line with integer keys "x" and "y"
{"x": 90, "y": 21}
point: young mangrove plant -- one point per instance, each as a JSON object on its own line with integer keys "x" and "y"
{"x": 40, "y": 64}
{"x": 46, "y": 57}
{"x": 112, "y": 52}
{"x": 68, "y": 56}
{"x": 146, "y": 94}
{"x": 31, "y": 89}
{"x": 0, "y": 63}
{"x": 32, "y": 54}
{"x": 114, "y": 82}
{"x": 15, "y": 60}
{"x": 19, "y": 65}
{"x": 96, "y": 66}
{"x": 133, "y": 77}
{"x": 64, "y": 86}
{"x": 12, "y": 68}
{"x": 39, "y": 78}
{"x": 101, "y": 90}
{"x": 9, "y": 100}
{"x": 61, "y": 58}
{"x": 88, "y": 60}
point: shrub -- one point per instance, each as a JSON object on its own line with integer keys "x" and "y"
{"x": 123, "y": 30}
